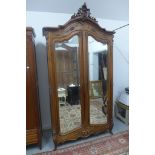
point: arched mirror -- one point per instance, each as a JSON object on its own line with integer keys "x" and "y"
{"x": 97, "y": 81}
{"x": 68, "y": 84}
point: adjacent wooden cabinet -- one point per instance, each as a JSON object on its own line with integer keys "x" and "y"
{"x": 80, "y": 68}
{"x": 33, "y": 123}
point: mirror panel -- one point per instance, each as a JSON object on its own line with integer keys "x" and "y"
{"x": 68, "y": 82}
{"x": 97, "y": 81}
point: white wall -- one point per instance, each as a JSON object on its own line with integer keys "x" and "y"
{"x": 120, "y": 54}
{"x": 38, "y": 20}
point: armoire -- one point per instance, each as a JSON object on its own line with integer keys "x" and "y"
{"x": 80, "y": 69}
{"x": 33, "y": 120}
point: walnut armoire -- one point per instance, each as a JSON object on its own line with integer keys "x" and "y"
{"x": 80, "y": 63}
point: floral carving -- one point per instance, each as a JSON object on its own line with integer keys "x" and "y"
{"x": 84, "y": 12}
{"x": 86, "y": 132}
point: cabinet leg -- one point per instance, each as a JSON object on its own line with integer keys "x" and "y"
{"x": 55, "y": 146}
{"x": 110, "y": 131}
{"x": 40, "y": 139}
{"x": 40, "y": 145}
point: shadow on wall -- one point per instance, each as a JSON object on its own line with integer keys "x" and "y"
{"x": 42, "y": 72}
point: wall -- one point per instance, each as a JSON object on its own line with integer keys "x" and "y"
{"x": 38, "y": 20}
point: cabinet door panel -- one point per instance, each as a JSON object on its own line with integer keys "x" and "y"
{"x": 97, "y": 58}
{"x": 31, "y": 88}
{"x": 68, "y": 84}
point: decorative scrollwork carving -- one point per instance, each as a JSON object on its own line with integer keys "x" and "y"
{"x": 84, "y": 12}
{"x": 86, "y": 132}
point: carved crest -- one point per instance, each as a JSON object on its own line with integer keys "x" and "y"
{"x": 83, "y": 13}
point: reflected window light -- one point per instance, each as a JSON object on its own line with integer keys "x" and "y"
{"x": 60, "y": 49}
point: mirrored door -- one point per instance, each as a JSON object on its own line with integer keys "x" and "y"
{"x": 68, "y": 84}
{"x": 98, "y": 76}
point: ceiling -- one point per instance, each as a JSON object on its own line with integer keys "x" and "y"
{"x": 107, "y": 9}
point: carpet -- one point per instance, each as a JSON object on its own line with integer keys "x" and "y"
{"x": 70, "y": 116}
{"x": 117, "y": 144}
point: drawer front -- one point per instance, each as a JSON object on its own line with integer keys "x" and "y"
{"x": 32, "y": 136}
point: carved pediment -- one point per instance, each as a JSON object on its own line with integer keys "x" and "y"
{"x": 77, "y": 21}
{"x": 83, "y": 13}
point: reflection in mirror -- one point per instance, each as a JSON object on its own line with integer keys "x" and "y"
{"x": 68, "y": 82}
{"x": 97, "y": 81}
